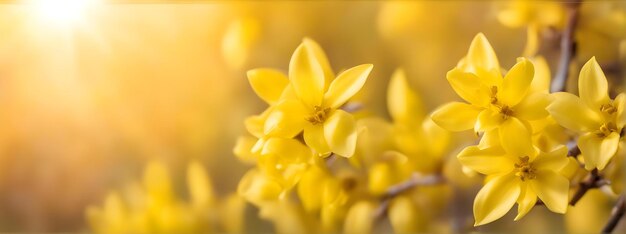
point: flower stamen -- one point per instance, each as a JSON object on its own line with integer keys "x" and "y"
{"x": 524, "y": 169}
{"x": 606, "y": 129}
{"x": 608, "y": 108}
{"x": 319, "y": 115}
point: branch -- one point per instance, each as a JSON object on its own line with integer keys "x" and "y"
{"x": 616, "y": 214}
{"x": 594, "y": 180}
{"x": 567, "y": 47}
{"x": 414, "y": 181}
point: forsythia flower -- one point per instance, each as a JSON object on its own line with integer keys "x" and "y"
{"x": 154, "y": 208}
{"x": 315, "y": 107}
{"x": 515, "y": 176}
{"x": 599, "y": 118}
{"x": 503, "y": 105}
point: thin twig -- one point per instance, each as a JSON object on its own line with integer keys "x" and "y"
{"x": 616, "y": 215}
{"x": 567, "y": 47}
{"x": 352, "y": 107}
{"x": 593, "y": 180}
{"x": 414, "y": 181}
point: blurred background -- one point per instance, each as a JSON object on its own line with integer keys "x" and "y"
{"x": 91, "y": 91}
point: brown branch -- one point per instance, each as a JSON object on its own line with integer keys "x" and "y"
{"x": 414, "y": 181}
{"x": 568, "y": 47}
{"x": 593, "y": 180}
{"x": 616, "y": 215}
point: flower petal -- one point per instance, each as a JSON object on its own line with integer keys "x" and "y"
{"x": 306, "y": 76}
{"x": 542, "y": 78}
{"x": 346, "y": 85}
{"x": 319, "y": 54}
{"x": 268, "y": 84}
{"x": 554, "y": 160}
{"x": 496, "y": 198}
{"x": 620, "y": 104}
{"x": 481, "y": 55}
{"x": 570, "y": 112}
{"x": 533, "y": 106}
{"x": 340, "y": 133}
{"x": 517, "y": 82}
{"x": 598, "y": 151}
{"x": 488, "y": 120}
{"x": 552, "y": 188}
{"x": 488, "y": 161}
{"x": 592, "y": 85}
{"x": 515, "y": 138}
{"x": 456, "y": 116}
{"x": 286, "y": 120}
{"x": 403, "y": 103}
{"x": 526, "y": 201}
{"x": 314, "y": 138}
{"x": 469, "y": 87}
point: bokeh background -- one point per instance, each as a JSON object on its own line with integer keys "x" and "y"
{"x": 90, "y": 94}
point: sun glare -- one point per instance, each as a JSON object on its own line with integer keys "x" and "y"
{"x": 61, "y": 12}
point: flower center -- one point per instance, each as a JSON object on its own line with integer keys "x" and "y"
{"x": 319, "y": 115}
{"x": 494, "y": 93}
{"x": 608, "y": 108}
{"x": 524, "y": 169}
{"x": 606, "y": 129}
{"x": 505, "y": 110}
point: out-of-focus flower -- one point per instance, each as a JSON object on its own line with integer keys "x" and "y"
{"x": 155, "y": 208}
{"x": 238, "y": 40}
{"x": 599, "y": 118}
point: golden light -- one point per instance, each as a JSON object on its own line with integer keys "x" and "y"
{"x": 61, "y": 12}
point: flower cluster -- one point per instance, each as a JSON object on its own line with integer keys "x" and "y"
{"x": 522, "y": 151}
{"x": 319, "y": 169}
{"x": 153, "y": 207}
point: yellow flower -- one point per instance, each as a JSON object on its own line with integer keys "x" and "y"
{"x": 514, "y": 176}
{"x": 594, "y": 115}
{"x": 315, "y": 110}
{"x": 498, "y": 103}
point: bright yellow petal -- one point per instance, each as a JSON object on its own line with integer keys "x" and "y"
{"x": 517, "y": 82}
{"x": 403, "y": 103}
{"x": 286, "y": 120}
{"x": 533, "y": 106}
{"x": 268, "y": 84}
{"x": 469, "y": 87}
{"x": 456, "y": 116}
{"x": 552, "y": 188}
{"x": 526, "y": 201}
{"x": 570, "y": 112}
{"x": 598, "y": 151}
{"x": 481, "y": 54}
{"x": 620, "y": 104}
{"x": 488, "y": 120}
{"x": 490, "y": 139}
{"x": 306, "y": 76}
{"x": 555, "y": 160}
{"x": 291, "y": 149}
{"x": 488, "y": 161}
{"x": 541, "y": 81}
{"x": 406, "y": 217}
{"x": 496, "y": 198}
{"x": 340, "y": 133}
{"x": 515, "y": 138}
{"x": 346, "y": 85}
{"x": 592, "y": 85}
{"x": 317, "y": 50}
{"x": 314, "y": 138}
